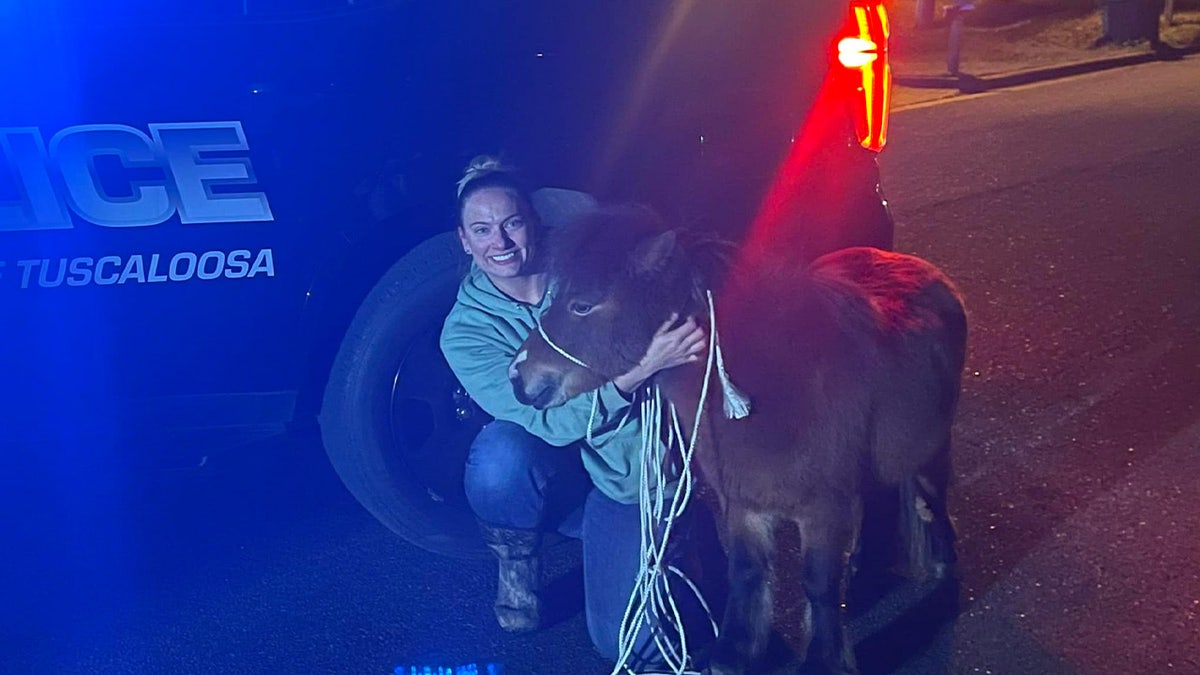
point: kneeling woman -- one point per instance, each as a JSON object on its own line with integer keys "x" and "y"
{"x": 531, "y": 471}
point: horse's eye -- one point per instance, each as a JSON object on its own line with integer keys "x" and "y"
{"x": 580, "y": 308}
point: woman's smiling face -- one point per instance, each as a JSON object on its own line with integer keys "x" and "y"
{"x": 497, "y": 230}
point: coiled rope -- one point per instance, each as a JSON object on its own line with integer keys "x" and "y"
{"x": 651, "y": 603}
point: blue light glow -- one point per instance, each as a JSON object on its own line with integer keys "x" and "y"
{"x": 468, "y": 669}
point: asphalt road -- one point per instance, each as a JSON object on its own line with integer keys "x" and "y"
{"x": 1069, "y": 214}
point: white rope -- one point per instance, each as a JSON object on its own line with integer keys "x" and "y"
{"x": 736, "y": 404}
{"x": 595, "y": 394}
{"x": 567, "y": 355}
{"x": 652, "y": 587}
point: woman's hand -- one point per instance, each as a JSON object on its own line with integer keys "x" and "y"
{"x": 668, "y": 348}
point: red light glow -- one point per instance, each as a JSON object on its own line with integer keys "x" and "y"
{"x": 858, "y": 82}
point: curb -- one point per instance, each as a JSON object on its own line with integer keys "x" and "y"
{"x": 971, "y": 84}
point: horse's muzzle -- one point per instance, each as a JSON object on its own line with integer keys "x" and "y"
{"x": 541, "y": 391}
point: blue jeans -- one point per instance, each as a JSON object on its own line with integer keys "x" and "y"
{"x": 514, "y": 479}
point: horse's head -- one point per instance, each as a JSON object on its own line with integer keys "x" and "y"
{"x": 616, "y": 276}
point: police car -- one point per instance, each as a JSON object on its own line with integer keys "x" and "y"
{"x": 236, "y": 216}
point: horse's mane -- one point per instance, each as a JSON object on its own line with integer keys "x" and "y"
{"x": 616, "y": 230}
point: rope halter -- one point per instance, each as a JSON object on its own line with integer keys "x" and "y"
{"x": 735, "y": 403}
{"x": 553, "y": 345}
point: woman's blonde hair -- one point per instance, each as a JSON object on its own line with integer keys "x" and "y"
{"x": 480, "y": 166}
{"x": 487, "y": 171}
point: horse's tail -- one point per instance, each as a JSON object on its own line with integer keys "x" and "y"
{"x": 926, "y": 530}
{"x": 946, "y": 300}
{"x": 949, "y": 350}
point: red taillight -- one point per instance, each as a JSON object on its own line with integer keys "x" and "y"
{"x": 862, "y": 51}
{"x": 856, "y": 52}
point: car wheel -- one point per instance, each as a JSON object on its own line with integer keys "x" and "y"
{"x": 394, "y": 420}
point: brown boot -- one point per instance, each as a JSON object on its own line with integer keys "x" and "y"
{"x": 517, "y": 606}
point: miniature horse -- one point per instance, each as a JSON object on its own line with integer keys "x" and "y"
{"x": 853, "y": 369}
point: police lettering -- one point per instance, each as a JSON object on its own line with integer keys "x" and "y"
{"x": 52, "y": 180}
{"x": 111, "y": 270}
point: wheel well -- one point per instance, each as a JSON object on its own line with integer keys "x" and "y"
{"x": 336, "y": 293}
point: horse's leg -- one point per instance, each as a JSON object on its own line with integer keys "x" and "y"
{"x": 926, "y": 526}
{"x": 875, "y": 550}
{"x": 750, "y": 542}
{"x": 827, "y": 536}
{"x": 934, "y": 480}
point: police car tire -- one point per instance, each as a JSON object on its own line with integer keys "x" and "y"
{"x": 355, "y": 418}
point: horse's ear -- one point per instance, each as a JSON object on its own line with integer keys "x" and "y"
{"x": 650, "y": 255}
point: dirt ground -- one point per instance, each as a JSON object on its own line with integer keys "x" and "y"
{"x": 1003, "y": 36}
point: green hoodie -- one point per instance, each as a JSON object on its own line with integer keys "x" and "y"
{"x": 480, "y": 338}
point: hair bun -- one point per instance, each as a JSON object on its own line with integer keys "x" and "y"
{"x": 478, "y": 167}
